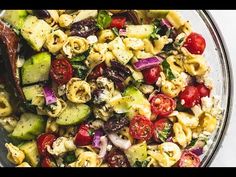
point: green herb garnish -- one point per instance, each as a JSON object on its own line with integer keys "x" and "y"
{"x": 69, "y": 158}
{"x": 115, "y": 31}
{"x": 141, "y": 163}
{"x": 167, "y": 70}
{"x": 103, "y": 19}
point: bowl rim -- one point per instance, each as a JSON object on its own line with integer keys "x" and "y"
{"x": 206, "y": 14}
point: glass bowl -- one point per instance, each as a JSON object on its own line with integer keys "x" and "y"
{"x": 221, "y": 73}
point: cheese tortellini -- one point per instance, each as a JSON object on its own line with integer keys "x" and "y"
{"x": 8, "y": 123}
{"x": 208, "y": 122}
{"x": 158, "y": 45}
{"x": 87, "y": 159}
{"x": 78, "y": 91}
{"x": 55, "y": 41}
{"x": 106, "y": 35}
{"x": 195, "y": 65}
{"x": 187, "y": 119}
{"x": 172, "y": 87}
{"x": 14, "y": 155}
{"x": 167, "y": 154}
{"x": 75, "y": 45}
{"x": 183, "y": 135}
{"x": 5, "y": 106}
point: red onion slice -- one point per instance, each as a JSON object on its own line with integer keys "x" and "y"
{"x": 119, "y": 142}
{"x": 49, "y": 95}
{"x": 147, "y": 63}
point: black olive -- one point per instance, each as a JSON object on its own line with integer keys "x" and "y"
{"x": 84, "y": 28}
{"x": 42, "y": 14}
{"x": 113, "y": 75}
{"x": 122, "y": 69}
{"x": 116, "y": 123}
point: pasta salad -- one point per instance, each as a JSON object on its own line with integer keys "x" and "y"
{"x": 104, "y": 88}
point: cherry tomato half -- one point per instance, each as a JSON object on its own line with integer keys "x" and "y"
{"x": 151, "y": 74}
{"x": 84, "y": 136}
{"x": 118, "y": 22}
{"x": 141, "y": 128}
{"x": 61, "y": 71}
{"x": 190, "y": 96}
{"x": 162, "y": 105}
{"x": 203, "y": 90}
{"x": 162, "y": 129}
{"x": 195, "y": 43}
{"x": 43, "y": 141}
{"x": 189, "y": 159}
{"x": 97, "y": 71}
{"x": 117, "y": 158}
{"x": 47, "y": 162}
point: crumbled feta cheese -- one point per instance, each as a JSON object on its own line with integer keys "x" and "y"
{"x": 109, "y": 147}
{"x": 20, "y": 62}
{"x": 92, "y": 39}
{"x": 61, "y": 145}
{"x": 61, "y": 90}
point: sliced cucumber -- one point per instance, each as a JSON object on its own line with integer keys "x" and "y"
{"x": 35, "y": 32}
{"x": 139, "y": 31}
{"x": 30, "y": 150}
{"x": 73, "y": 114}
{"x": 29, "y": 126}
{"x": 137, "y": 152}
{"x": 36, "y": 68}
{"x": 139, "y": 104}
{"x": 31, "y": 91}
{"x": 15, "y": 18}
{"x": 157, "y": 13}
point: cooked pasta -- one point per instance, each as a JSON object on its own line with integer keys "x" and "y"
{"x": 78, "y": 91}
{"x": 55, "y": 41}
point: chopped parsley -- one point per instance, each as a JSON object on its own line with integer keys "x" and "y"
{"x": 167, "y": 70}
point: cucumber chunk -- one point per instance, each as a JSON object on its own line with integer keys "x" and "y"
{"x": 36, "y": 68}
{"x": 139, "y": 104}
{"x": 29, "y": 126}
{"x": 73, "y": 114}
{"x": 30, "y": 150}
{"x": 139, "y": 31}
{"x": 35, "y": 32}
{"x": 16, "y": 18}
{"x": 31, "y": 91}
{"x": 137, "y": 152}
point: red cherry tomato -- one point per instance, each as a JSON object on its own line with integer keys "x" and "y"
{"x": 151, "y": 74}
{"x": 203, "y": 90}
{"x": 47, "y": 162}
{"x": 162, "y": 129}
{"x": 97, "y": 71}
{"x": 162, "y": 105}
{"x": 61, "y": 71}
{"x": 141, "y": 128}
{"x": 84, "y": 136}
{"x": 43, "y": 141}
{"x": 190, "y": 96}
{"x": 189, "y": 159}
{"x": 118, "y": 22}
{"x": 117, "y": 158}
{"x": 195, "y": 43}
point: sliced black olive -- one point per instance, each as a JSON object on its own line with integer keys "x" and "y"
{"x": 113, "y": 75}
{"x": 84, "y": 28}
{"x": 122, "y": 69}
{"x": 116, "y": 123}
{"x": 42, "y": 14}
